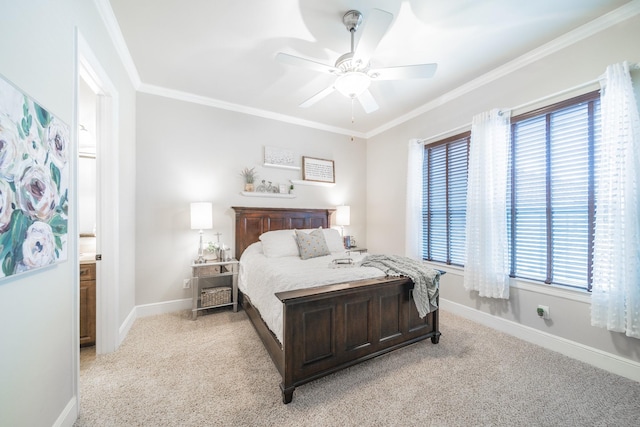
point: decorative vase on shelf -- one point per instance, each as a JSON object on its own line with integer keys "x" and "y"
{"x": 249, "y": 176}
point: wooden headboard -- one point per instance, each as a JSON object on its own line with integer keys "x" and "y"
{"x": 252, "y": 222}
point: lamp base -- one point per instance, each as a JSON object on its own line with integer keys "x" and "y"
{"x": 200, "y": 259}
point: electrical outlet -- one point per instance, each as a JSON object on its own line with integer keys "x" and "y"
{"x": 186, "y": 283}
{"x": 543, "y": 311}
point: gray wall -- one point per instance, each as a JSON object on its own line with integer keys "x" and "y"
{"x": 188, "y": 152}
{"x": 38, "y": 311}
{"x": 568, "y": 68}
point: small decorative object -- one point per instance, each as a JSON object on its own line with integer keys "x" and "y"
{"x": 282, "y": 188}
{"x": 201, "y": 219}
{"x": 213, "y": 248}
{"x": 249, "y": 176}
{"x": 267, "y": 187}
{"x": 291, "y": 189}
{"x": 225, "y": 253}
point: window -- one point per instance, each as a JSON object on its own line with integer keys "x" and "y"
{"x": 550, "y": 200}
{"x": 551, "y": 192}
{"x": 445, "y": 199}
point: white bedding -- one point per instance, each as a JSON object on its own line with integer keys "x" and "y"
{"x": 261, "y": 277}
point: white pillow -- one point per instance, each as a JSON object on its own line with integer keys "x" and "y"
{"x": 279, "y": 243}
{"x": 334, "y": 240}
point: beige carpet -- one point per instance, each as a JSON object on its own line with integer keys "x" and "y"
{"x": 171, "y": 371}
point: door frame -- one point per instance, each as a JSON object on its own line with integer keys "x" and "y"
{"x": 107, "y": 184}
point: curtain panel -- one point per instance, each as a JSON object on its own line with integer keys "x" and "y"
{"x": 486, "y": 251}
{"x": 413, "y": 220}
{"x": 615, "y": 299}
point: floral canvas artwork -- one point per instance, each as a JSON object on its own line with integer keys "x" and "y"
{"x": 34, "y": 184}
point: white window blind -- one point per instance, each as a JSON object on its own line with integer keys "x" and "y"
{"x": 444, "y": 199}
{"x": 551, "y": 206}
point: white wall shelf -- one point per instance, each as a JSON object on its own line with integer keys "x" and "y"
{"x": 273, "y": 165}
{"x": 316, "y": 183}
{"x": 263, "y": 194}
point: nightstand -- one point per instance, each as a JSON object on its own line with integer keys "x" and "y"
{"x": 217, "y": 295}
{"x": 357, "y": 250}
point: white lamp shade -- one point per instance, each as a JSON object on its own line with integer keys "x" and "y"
{"x": 352, "y": 83}
{"x": 343, "y": 215}
{"x": 201, "y": 216}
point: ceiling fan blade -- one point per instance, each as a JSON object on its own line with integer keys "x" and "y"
{"x": 421, "y": 71}
{"x": 373, "y": 29}
{"x": 368, "y": 103}
{"x": 317, "y": 97}
{"x": 298, "y": 61}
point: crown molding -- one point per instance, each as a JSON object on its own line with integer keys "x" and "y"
{"x": 589, "y": 29}
{"x": 110, "y": 21}
{"x": 211, "y": 102}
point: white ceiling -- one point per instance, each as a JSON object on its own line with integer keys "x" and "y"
{"x": 224, "y": 50}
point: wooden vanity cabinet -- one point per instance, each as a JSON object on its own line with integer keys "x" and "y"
{"x": 87, "y": 304}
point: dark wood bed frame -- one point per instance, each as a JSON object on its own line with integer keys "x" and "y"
{"x": 329, "y": 328}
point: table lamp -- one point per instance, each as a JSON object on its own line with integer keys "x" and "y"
{"x": 343, "y": 217}
{"x": 201, "y": 219}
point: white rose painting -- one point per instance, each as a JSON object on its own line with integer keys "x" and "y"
{"x": 34, "y": 184}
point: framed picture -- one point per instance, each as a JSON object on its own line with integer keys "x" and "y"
{"x": 279, "y": 158}
{"x": 34, "y": 184}
{"x": 319, "y": 170}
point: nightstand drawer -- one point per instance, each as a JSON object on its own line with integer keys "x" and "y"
{"x": 208, "y": 270}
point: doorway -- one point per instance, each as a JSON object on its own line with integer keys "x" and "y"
{"x": 87, "y": 218}
{"x": 97, "y": 107}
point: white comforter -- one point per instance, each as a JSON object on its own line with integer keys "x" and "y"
{"x": 261, "y": 277}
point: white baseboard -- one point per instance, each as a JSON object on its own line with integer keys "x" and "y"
{"x": 163, "y": 307}
{"x": 127, "y": 324}
{"x": 598, "y": 358}
{"x": 69, "y": 414}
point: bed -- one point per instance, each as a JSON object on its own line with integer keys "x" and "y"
{"x": 329, "y": 327}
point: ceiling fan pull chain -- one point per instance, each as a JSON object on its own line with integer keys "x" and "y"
{"x": 353, "y": 119}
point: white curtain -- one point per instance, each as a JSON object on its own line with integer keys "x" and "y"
{"x": 486, "y": 264}
{"x": 615, "y": 301}
{"x": 413, "y": 221}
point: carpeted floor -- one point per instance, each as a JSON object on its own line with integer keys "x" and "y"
{"x": 171, "y": 371}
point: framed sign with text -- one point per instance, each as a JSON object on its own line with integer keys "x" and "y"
{"x": 319, "y": 170}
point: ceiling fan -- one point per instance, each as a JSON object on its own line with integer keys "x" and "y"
{"x": 353, "y": 69}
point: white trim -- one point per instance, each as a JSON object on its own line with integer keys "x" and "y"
{"x": 587, "y": 30}
{"x": 552, "y": 290}
{"x": 124, "y": 329}
{"x": 163, "y": 307}
{"x": 107, "y": 272}
{"x": 598, "y": 358}
{"x": 211, "y": 102}
{"x": 69, "y": 414}
{"x": 527, "y": 285}
{"x": 108, "y": 224}
{"x": 113, "y": 28}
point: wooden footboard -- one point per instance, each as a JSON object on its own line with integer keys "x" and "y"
{"x": 329, "y": 328}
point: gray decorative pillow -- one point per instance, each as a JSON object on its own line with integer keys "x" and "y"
{"x": 312, "y": 244}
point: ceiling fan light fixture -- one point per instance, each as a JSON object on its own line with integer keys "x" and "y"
{"x": 352, "y": 84}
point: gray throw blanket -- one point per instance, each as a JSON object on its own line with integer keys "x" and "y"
{"x": 425, "y": 279}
